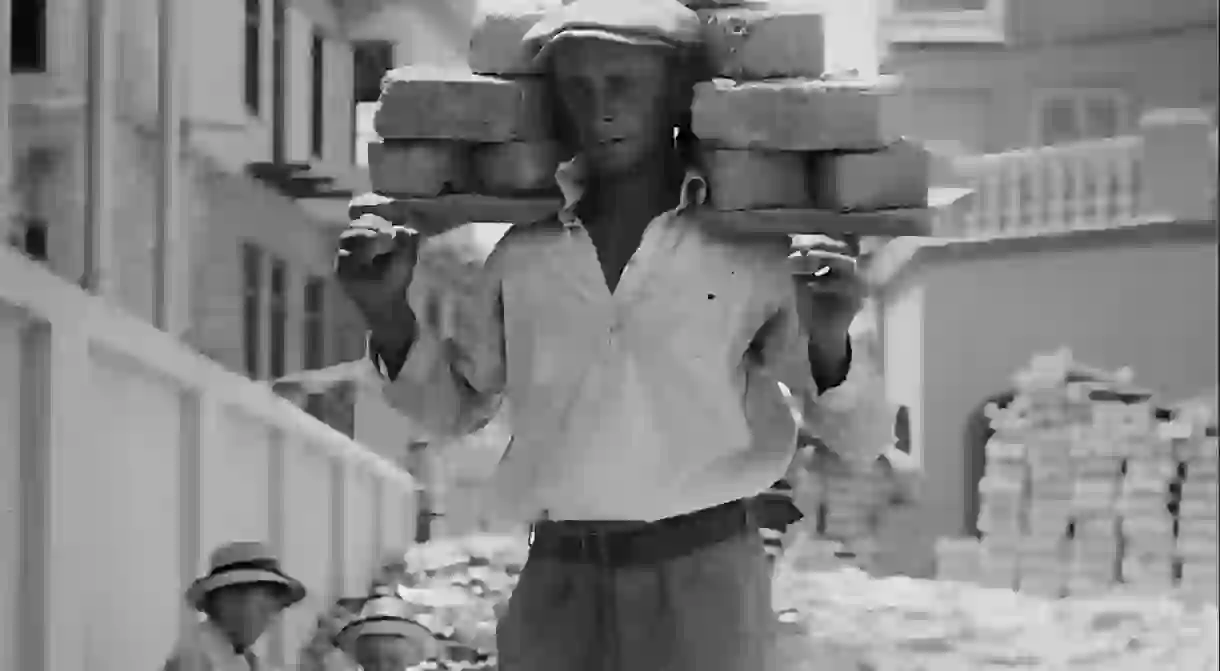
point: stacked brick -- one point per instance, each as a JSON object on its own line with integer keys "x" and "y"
{"x": 776, "y": 133}
{"x": 1193, "y": 434}
{"x": 1088, "y": 487}
{"x": 843, "y": 505}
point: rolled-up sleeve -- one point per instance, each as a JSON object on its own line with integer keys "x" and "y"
{"x": 453, "y": 378}
{"x": 852, "y": 418}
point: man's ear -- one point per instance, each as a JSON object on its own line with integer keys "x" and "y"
{"x": 685, "y": 71}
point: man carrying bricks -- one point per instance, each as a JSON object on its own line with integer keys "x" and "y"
{"x": 646, "y": 359}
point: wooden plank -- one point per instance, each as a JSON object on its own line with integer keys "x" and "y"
{"x": 447, "y": 212}
{"x": 884, "y": 223}
{"x": 459, "y": 209}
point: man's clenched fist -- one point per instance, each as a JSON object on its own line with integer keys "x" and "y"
{"x": 374, "y": 265}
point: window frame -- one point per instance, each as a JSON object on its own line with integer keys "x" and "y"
{"x": 1079, "y": 96}
{"x": 950, "y": 26}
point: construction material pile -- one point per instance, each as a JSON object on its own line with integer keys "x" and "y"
{"x": 460, "y": 587}
{"x": 846, "y": 620}
{"x": 1088, "y": 488}
{"x": 780, "y": 139}
{"x": 843, "y": 506}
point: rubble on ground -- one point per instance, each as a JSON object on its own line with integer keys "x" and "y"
{"x": 842, "y": 619}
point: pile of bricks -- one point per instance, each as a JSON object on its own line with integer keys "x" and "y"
{"x": 1195, "y": 446}
{"x": 843, "y": 505}
{"x": 775, "y": 132}
{"x": 1088, "y": 486}
{"x": 780, "y": 133}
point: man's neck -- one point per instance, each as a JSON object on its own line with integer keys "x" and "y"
{"x": 636, "y": 196}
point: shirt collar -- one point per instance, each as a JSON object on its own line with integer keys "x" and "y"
{"x": 570, "y": 177}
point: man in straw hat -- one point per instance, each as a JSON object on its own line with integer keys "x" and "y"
{"x": 641, "y": 355}
{"x": 385, "y": 637}
{"x": 244, "y": 590}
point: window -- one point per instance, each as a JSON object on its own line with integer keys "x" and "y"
{"x": 902, "y": 429}
{"x": 941, "y": 5}
{"x": 34, "y": 241}
{"x": 28, "y": 46}
{"x": 946, "y": 21}
{"x": 252, "y": 299}
{"x": 254, "y": 61}
{"x": 1082, "y": 114}
{"x": 279, "y": 318}
{"x": 313, "y": 336}
{"x": 317, "y": 70}
{"x": 279, "y": 83}
{"x": 370, "y": 61}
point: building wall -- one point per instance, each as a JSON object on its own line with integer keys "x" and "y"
{"x": 1150, "y": 307}
{"x": 238, "y": 211}
{"x": 984, "y": 97}
{"x": 221, "y": 207}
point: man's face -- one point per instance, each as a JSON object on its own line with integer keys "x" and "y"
{"x": 244, "y": 611}
{"x": 387, "y": 653}
{"x": 618, "y": 100}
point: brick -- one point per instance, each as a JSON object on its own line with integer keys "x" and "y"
{"x": 748, "y": 43}
{"x": 895, "y": 177}
{"x": 419, "y": 168}
{"x": 444, "y": 104}
{"x": 752, "y": 180}
{"x": 792, "y": 114}
{"x": 516, "y": 168}
{"x": 495, "y": 43}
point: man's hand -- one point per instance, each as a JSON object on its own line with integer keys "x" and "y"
{"x": 375, "y": 264}
{"x": 830, "y": 292}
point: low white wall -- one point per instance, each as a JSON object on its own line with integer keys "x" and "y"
{"x": 125, "y": 458}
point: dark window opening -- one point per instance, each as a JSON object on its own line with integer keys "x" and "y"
{"x": 317, "y": 66}
{"x": 254, "y": 61}
{"x": 279, "y": 47}
{"x": 370, "y": 60}
{"x": 313, "y": 337}
{"x": 252, "y": 261}
{"x": 279, "y": 318}
{"x": 35, "y": 239}
{"x": 902, "y": 429}
{"x": 28, "y": 36}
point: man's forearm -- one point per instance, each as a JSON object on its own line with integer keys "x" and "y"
{"x": 392, "y": 336}
{"x": 830, "y": 363}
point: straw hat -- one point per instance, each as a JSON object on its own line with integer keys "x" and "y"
{"x": 243, "y": 563}
{"x": 387, "y": 615}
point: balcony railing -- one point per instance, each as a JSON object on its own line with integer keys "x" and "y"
{"x": 125, "y": 458}
{"x": 1093, "y": 184}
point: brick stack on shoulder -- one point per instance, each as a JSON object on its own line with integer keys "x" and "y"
{"x": 784, "y": 144}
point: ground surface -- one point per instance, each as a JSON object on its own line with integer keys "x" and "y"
{"x": 845, "y": 620}
{"x": 855, "y": 622}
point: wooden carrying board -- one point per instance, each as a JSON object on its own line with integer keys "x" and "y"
{"x": 461, "y": 209}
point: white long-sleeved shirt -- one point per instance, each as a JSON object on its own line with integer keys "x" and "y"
{"x": 654, "y": 400}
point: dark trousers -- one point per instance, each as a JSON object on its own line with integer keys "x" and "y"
{"x": 688, "y": 593}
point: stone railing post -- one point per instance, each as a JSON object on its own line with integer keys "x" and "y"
{"x": 1177, "y": 171}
